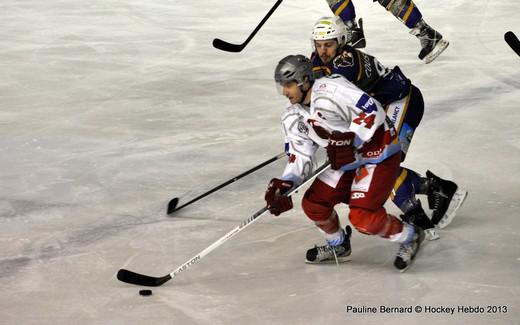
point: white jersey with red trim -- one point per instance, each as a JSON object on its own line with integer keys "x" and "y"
{"x": 338, "y": 105}
{"x": 301, "y": 144}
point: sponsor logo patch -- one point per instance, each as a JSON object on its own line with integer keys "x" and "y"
{"x": 367, "y": 104}
{"x": 358, "y": 195}
{"x": 360, "y": 174}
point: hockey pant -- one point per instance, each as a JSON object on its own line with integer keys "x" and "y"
{"x": 406, "y": 114}
{"x": 365, "y": 190}
{"x": 404, "y": 10}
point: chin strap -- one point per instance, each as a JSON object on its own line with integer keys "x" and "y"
{"x": 305, "y": 93}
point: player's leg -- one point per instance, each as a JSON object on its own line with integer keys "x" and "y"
{"x": 330, "y": 188}
{"x": 432, "y": 43}
{"x": 407, "y": 114}
{"x": 370, "y": 189}
{"x": 403, "y": 195}
{"x": 444, "y": 196}
{"x": 346, "y": 11}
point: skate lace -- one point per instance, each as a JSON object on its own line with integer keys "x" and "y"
{"x": 405, "y": 251}
{"x": 437, "y": 196}
{"x": 328, "y": 251}
{"x": 428, "y": 37}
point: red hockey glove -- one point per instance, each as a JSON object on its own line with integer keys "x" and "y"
{"x": 278, "y": 203}
{"x": 341, "y": 149}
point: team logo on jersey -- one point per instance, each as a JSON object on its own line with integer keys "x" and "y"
{"x": 344, "y": 60}
{"x": 303, "y": 128}
{"x": 324, "y": 89}
{"x": 367, "y": 104}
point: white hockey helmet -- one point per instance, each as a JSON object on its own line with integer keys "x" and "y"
{"x": 330, "y": 28}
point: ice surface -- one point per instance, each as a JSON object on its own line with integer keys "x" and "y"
{"x": 108, "y": 109}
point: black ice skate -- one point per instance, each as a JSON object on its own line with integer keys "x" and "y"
{"x": 331, "y": 254}
{"x": 355, "y": 34}
{"x": 408, "y": 251}
{"x": 444, "y": 198}
{"x": 418, "y": 217}
{"x": 432, "y": 43}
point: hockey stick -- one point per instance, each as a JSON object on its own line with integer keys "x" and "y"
{"x": 151, "y": 281}
{"x": 228, "y": 47}
{"x": 512, "y": 41}
{"x": 172, "y": 205}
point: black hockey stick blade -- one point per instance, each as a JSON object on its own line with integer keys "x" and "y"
{"x": 141, "y": 279}
{"x": 228, "y": 47}
{"x": 172, "y": 204}
{"x": 512, "y": 41}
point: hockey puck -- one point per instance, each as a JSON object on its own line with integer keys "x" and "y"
{"x": 145, "y": 292}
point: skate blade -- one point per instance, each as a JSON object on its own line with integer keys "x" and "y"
{"x": 360, "y": 43}
{"x": 437, "y": 50}
{"x": 340, "y": 260}
{"x": 456, "y": 202}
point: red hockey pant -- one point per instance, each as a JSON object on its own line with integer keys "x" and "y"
{"x": 365, "y": 190}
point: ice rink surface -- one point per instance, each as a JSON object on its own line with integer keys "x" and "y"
{"x": 108, "y": 109}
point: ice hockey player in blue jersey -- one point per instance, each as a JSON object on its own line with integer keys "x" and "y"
{"x": 432, "y": 43}
{"x": 405, "y": 106}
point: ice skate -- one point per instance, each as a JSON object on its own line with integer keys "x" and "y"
{"x": 456, "y": 202}
{"x": 408, "y": 251}
{"x": 331, "y": 254}
{"x": 444, "y": 198}
{"x": 432, "y": 43}
{"x": 355, "y": 34}
{"x": 418, "y": 217}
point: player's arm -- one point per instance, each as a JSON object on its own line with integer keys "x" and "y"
{"x": 299, "y": 146}
{"x": 301, "y": 151}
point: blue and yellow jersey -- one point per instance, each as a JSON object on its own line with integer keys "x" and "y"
{"x": 367, "y": 73}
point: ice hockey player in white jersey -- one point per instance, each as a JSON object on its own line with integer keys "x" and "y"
{"x": 364, "y": 154}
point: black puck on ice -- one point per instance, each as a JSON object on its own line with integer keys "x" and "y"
{"x": 145, "y": 292}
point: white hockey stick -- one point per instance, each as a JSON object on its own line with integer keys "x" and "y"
{"x": 151, "y": 281}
